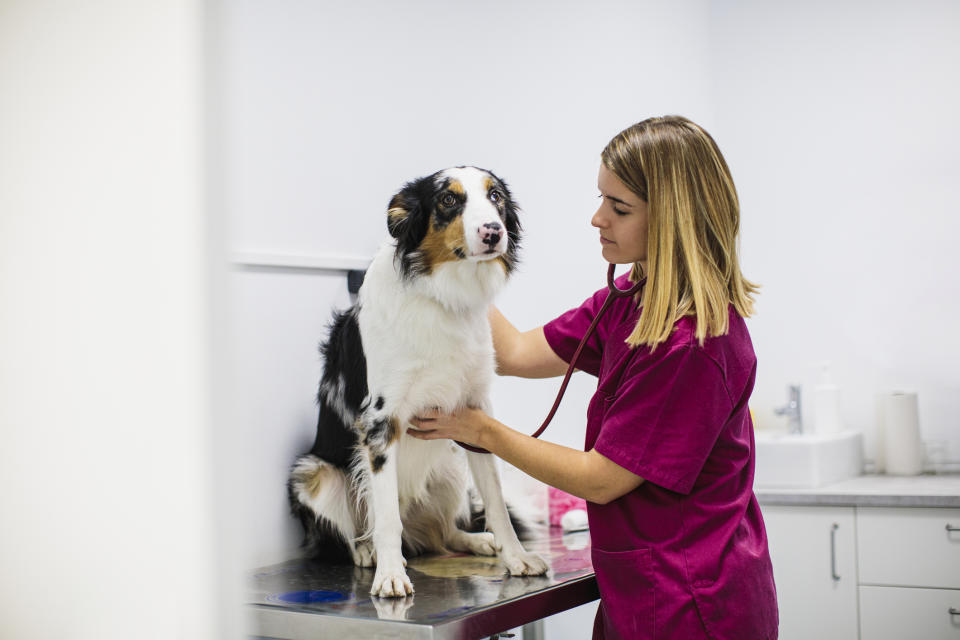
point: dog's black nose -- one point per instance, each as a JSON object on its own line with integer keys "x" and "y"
{"x": 490, "y": 233}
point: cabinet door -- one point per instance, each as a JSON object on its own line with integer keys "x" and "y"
{"x": 813, "y": 550}
{"x": 893, "y": 613}
{"x": 908, "y": 547}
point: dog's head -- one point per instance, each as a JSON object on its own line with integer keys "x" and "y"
{"x": 458, "y": 214}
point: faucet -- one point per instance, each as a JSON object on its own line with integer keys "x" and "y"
{"x": 792, "y": 410}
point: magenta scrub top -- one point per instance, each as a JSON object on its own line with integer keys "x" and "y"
{"x": 684, "y": 555}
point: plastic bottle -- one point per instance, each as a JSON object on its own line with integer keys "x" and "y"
{"x": 826, "y": 404}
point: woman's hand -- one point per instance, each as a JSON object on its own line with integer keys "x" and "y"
{"x": 465, "y": 425}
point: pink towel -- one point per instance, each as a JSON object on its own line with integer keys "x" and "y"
{"x": 561, "y": 502}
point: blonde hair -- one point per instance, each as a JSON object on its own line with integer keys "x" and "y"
{"x": 694, "y": 222}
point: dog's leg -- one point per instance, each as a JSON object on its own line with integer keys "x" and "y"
{"x": 487, "y": 479}
{"x": 379, "y": 459}
{"x": 448, "y": 495}
{"x": 479, "y": 544}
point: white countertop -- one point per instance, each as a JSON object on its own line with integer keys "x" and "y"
{"x": 873, "y": 491}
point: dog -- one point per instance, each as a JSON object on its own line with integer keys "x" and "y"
{"x": 417, "y": 338}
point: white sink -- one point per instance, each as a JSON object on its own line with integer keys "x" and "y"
{"x": 806, "y": 460}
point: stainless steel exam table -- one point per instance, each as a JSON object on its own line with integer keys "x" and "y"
{"x": 456, "y": 596}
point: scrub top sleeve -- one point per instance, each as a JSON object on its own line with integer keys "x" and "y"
{"x": 665, "y": 418}
{"x": 565, "y": 332}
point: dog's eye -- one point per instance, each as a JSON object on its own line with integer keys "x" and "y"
{"x": 495, "y": 196}
{"x": 448, "y": 200}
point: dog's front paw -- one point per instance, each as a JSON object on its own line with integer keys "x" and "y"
{"x": 391, "y": 582}
{"x": 523, "y": 563}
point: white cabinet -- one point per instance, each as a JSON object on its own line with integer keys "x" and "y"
{"x": 899, "y": 613}
{"x": 866, "y": 572}
{"x": 909, "y": 547}
{"x": 813, "y": 550}
{"x": 909, "y": 563}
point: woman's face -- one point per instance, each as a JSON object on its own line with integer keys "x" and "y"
{"x": 621, "y": 220}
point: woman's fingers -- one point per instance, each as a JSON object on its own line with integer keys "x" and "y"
{"x": 422, "y": 434}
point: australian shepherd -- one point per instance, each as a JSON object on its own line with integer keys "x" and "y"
{"x": 418, "y": 337}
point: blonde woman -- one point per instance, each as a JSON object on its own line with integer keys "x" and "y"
{"x": 679, "y": 546}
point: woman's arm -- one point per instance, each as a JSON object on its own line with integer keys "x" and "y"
{"x": 527, "y": 354}
{"x": 587, "y": 475}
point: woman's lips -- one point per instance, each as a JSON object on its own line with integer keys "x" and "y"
{"x": 605, "y": 241}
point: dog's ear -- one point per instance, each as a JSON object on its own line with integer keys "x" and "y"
{"x": 511, "y": 214}
{"x": 408, "y": 218}
{"x": 511, "y": 219}
{"x": 409, "y": 211}
{"x": 398, "y": 213}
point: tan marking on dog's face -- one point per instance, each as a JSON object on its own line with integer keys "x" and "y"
{"x": 488, "y": 184}
{"x": 440, "y": 246}
{"x": 456, "y": 187}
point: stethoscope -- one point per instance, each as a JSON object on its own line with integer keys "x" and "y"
{"x": 615, "y": 293}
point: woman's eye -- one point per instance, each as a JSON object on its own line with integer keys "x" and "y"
{"x": 620, "y": 213}
{"x": 495, "y": 196}
{"x": 448, "y": 200}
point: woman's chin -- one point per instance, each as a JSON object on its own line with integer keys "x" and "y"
{"x": 611, "y": 255}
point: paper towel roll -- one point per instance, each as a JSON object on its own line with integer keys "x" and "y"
{"x": 903, "y": 451}
{"x": 880, "y": 449}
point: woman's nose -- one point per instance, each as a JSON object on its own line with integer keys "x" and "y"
{"x": 598, "y": 219}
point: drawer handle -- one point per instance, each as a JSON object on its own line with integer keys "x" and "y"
{"x": 954, "y": 611}
{"x": 833, "y": 552}
{"x": 952, "y": 528}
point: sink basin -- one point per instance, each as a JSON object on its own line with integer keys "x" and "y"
{"x": 797, "y": 461}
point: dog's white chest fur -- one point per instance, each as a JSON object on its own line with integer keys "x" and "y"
{"x": 421, "y": 352}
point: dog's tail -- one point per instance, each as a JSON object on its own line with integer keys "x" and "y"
{"x": 312, "y": 487}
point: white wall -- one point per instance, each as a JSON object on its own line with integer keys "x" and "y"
{"x": 839, "y": 121}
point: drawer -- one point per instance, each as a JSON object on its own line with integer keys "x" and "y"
{"x": 896, "y": 613}
{"x": 909, "y": 547}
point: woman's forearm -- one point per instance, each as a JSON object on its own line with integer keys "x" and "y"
{"x": 558, "y": 466}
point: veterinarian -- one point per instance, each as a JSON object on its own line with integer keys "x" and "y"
{"x": 679, "y": 546}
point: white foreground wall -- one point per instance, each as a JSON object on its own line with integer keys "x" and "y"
{"x": 105, "y": 396}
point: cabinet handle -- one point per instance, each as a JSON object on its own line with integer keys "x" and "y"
{"x": 954, "y": 611}
{"x": 952, "y": 528}
{"x": 833, "y": 552}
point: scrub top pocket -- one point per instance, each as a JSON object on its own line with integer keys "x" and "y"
{"x": 625, "y": 579}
